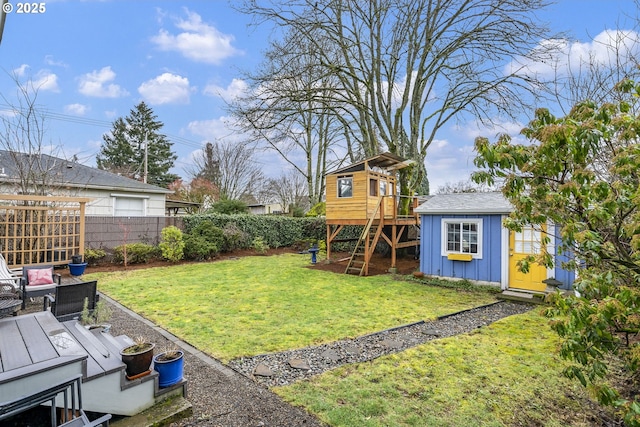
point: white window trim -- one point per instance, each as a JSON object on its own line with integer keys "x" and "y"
{"x": 443, "y": 235}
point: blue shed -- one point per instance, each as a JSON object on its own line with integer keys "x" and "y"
{"x": 462, "y": 236}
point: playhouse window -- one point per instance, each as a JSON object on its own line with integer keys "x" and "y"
{"x": 462, "y": 236}
{"x": 383, "y": 187}
{"x": 345, "y": 186}
{"x": 373, "y": 187}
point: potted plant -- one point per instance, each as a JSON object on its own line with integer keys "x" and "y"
{"x": 170, "y": 366}
{"x": 96, "y": 318}
{"x": 137, "y": 358}
{"x": 76, "y": 266}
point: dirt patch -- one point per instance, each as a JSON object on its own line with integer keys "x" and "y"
{"x": 379, "y": 264}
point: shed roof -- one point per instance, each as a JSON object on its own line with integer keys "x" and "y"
{"x": 465, "y": 204}
{"x": 387, "y": 161}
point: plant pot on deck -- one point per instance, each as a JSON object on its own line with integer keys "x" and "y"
{"x": 137, "y": 358}
{"x": 170, "y": 367}
{"x": 77, "y": 269}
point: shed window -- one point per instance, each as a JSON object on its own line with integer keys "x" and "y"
{"x": 345, "y": 186}
{"x": 462, "y": 236}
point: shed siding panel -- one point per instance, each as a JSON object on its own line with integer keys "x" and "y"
{"x": 485, "y": 269}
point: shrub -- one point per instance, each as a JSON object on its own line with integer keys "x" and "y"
{"x": 234, "y": 238}
{"x": 172, "y": 244}
{"x": 319, "y": 209}
{"x": 137, "y": 253}
{"x": 92, "y": 256}
{"x": 229, "y": 207}
{"x": 259, "y": 245}
{"x": 204, "y": 241}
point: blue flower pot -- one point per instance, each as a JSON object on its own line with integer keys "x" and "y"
{"x": 170, "y": 371}
{"x": 77, "y": 269}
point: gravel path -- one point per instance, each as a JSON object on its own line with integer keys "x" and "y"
{"x": 286, "y": 367}
{"x": 233, "y": 396}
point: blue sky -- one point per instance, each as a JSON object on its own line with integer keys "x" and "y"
{"x": 95, "y": 60}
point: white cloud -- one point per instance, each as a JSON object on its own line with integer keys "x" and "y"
{"x": 448, "y": 164}
{"x": 559, "y": 57}
{"x": 46, "y": 80}
{"x": 230, "y": 93}
{"x": 212, "y": 130}
{"x": 77, "y": 109}
{"x": 167, "y": 88}
{"x": 49, "y": 60}
{"x": 21, "y": 70}
{"x": 198, "y": 41}
{"x": 97, "y": 84}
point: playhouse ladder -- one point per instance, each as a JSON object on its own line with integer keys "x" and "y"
{"x": 366, "y": 245}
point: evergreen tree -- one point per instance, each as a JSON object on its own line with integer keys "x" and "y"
{"x": 123, "y": 149}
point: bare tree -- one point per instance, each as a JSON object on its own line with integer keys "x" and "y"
{"x": 289, "y": 190}
{"x": 28, "y": 160}
{"x": 281, "y": 109}
{"x": 406, "y": 68}
{"x": 231, "y": 168}
{"x": 464, "y": 187}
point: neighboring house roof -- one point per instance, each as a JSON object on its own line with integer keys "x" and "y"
{"x": 72, "y": 174}
{"x": 465, "y": 203}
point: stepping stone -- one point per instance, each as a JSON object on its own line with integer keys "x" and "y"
{"x": 352, "y": 349}
{"x": 330, "y": 354}
{"x": 299, "y": 364}
{"x": 262, "y": 370}
{"x": 391, "y": 343}
{"x": 432, "y": 332}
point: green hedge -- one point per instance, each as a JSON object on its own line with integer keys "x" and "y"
{"x": 275, "y": 231}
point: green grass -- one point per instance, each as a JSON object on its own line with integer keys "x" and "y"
{"x": 502, "y": 375}
{"x": 257, "y": 305}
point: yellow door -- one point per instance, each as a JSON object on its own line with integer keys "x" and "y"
{"x": 523, "y": 243}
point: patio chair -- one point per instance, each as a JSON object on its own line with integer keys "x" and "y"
{"x": 7, "y": 276}
{"x": 37, "y": 281}
{"x": 67, "y": 393}
{"x": 67, "y": 301}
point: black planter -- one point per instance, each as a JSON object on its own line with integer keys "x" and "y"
{"x": 76, "y": 259}
{"x": 137, "y": 362}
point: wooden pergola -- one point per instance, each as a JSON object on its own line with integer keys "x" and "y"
{"x": 41, "y": 229}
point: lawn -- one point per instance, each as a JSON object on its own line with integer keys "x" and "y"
{"x": 260, "y": 304}
{"x": 506, "y": 374}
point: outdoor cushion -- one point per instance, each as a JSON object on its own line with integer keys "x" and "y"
{"x": 40, "y": 276}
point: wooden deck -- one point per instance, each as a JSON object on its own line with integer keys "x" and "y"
{"x": 36, "y": 350}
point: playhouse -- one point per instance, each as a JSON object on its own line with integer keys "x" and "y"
{"x": 365, "y": 194}
{"x": 463, "y": 237}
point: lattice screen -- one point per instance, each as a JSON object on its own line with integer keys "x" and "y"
{"x": 40, "y": 229}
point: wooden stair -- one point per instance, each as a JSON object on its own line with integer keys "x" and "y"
{"x": 361, "y": 255}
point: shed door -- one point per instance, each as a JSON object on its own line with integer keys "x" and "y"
{"x": 521, "y": 244}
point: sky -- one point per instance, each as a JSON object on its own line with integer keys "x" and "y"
{"x": 93, "y": 61}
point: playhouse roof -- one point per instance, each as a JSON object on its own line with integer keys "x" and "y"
{"x": 465, "y": 204}
{"x": 387, "y": 161}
